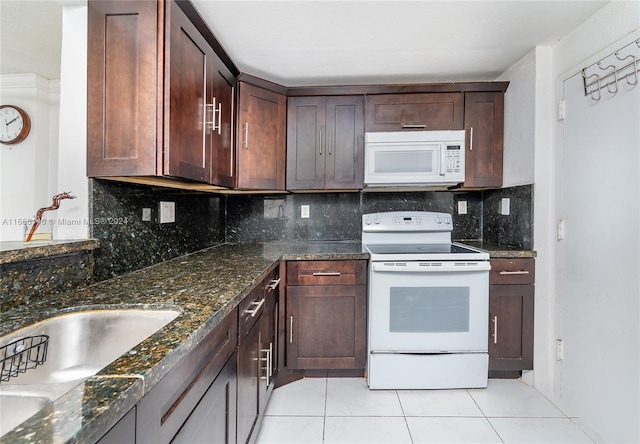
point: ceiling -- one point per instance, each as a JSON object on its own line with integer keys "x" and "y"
{"x": 302, "y": 43}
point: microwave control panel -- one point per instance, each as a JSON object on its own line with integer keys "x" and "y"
{"x": 453, "y": 158}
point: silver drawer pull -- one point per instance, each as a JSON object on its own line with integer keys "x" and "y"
{"x": 274, "y": 284}
{"x": 254, "y": 312}
{"x": 515, "y": 272}
{"x": 413, "y": 126}
{"x": 326, "y": 273}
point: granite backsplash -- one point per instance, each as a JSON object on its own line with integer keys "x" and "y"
{"x": 203, "y": 219}
{"x": 129, "y": 244}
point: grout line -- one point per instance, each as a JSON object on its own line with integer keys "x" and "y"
{"x": 485, "y": 416}
{"x": 324, "y": 416}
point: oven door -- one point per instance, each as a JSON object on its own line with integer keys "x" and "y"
{"x": 428, "y": 307}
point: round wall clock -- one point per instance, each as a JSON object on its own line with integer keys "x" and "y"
{"x": 14, "y": 124}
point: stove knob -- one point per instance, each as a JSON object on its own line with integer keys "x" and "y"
{"x": 438, "y": 220}
{"x": 376, "y": 221}
{"x": 367, "y": 221}
{"x": 447, "y": 220}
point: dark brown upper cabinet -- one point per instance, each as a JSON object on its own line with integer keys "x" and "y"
{"x": 415, "y": 112}
{"x": 160, "y": 100}
{"x": 261, "y": 133}
{"x": 325, "y": 143}
{"x": 484, "y": 125}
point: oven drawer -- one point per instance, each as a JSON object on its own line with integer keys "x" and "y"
{"x": 512, "y": 271}
{"x": 327, "y": 272}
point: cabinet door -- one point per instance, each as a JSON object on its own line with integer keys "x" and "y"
{"x": 189, "y": 83}
{"x": 261, "y": 133}
{"x": 248, "y": 377}
{"x": 414, "y": 112}
{"x": 213, "y": 420}
{"x": 326, "y": 327}
{"x": 268, "y": 340}
{"x": 511, "y": 327}
{"x": 124, "y": 432}
{"x": 223, "y": 165}
{"x": 484, "y": 125}
{"x": 344, "y": 158}
{"x": 305, "y": 133}
{"x": 122, "y": 72}
{"x": 163, "y": 411}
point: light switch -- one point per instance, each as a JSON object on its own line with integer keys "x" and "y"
{"x": 505, "y": 205}
{"x": 304, "y": 211}
{"x": 462, "y": 207}
{"x": 146, "y": 214}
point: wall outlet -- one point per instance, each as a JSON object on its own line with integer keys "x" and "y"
{"x": 167, "y": 212}
{"x": 304, "y": 211}
{"x": 462, "y": 207}
{"x": 146, "y": 214}
{"x": 505, "y": 206}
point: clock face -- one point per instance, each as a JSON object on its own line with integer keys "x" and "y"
{"x": 14, "y": 124}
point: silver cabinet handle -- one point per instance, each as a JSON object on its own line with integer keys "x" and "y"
{"x": 210, "y": 124}
{"x": 274, "y": 284}
{"x": 267, "y": 359}
{"x": 495, "y": 329}
{"x": 329, "y": 150}
{"x": 255, "y": 310}
{"x": 413, "y": 126}
{"x": 471, "y": 139}
{"x": 246, "y": 135}
{"x": 514, "y": 272}
{"x": 291, "y": 329}
{"x": 219, "y": 111}
{"x": 320, "y": 144}
{"x": 326, "y": 273}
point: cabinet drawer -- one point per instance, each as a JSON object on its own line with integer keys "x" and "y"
{"x": 326, "y": 272}
{"x": 162, "y": 411}
{"x": 512, "y": 271}
{"x": 250, "y": 308}
{"x": 406, "y": 112}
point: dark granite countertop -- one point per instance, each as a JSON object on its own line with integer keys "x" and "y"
{"x": 206, "y": 285}
{"x": 500, "y": 251}
{"x": 17, "y": 251}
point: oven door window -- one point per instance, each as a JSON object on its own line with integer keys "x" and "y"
{"x": 429, "y": 309}
{"x": 431, "y": 312}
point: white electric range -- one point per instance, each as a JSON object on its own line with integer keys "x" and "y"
{"x": 428, "y": 304}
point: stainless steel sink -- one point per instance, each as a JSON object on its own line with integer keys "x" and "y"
{"x": 17, "y": 407}
{"x": 80, "y": 345}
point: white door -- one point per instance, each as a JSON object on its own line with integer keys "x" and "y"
{"x": 598, "y": 260}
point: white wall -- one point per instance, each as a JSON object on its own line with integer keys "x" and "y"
{"x": 589, "y": 281}
{"x": 52, "y": 159}
{"x": 519, "y": 122}
{"x": 25, "y": 168}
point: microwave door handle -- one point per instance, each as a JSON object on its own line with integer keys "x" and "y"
{"x": 442, "y": 152}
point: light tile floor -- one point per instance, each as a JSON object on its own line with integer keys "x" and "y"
{"x": 344, "y": 410}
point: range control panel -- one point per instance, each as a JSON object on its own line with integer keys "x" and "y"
{"x": 407, "y": 221}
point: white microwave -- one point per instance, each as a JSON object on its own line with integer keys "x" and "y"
{"x": 414, "y": 158}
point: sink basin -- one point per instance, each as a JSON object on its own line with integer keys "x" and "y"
{"x": 18, "y": 407}
{"x": 82, "y": 343}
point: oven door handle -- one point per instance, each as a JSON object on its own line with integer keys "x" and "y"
{"x": 431, "y": 267}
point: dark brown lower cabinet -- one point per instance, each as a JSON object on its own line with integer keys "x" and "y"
{"x": 124, "y": 432}
{"x": 326, "y": 324}
{"x": 511, "y": 310}
{"x": 179, "y": 406}
{"x": 257, "y": 355}
{"x": 213, "y": 419}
